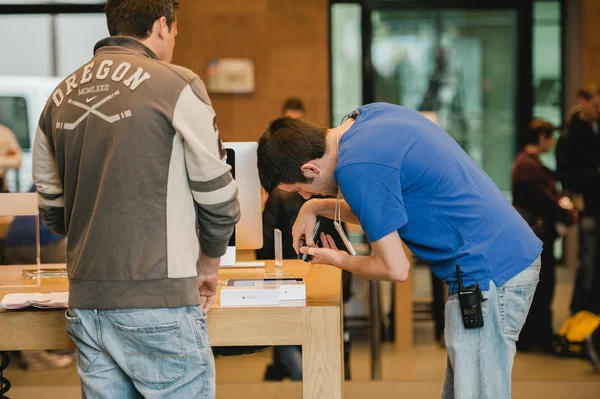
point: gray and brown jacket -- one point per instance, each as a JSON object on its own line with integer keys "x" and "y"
{"x": 128, "y": 164}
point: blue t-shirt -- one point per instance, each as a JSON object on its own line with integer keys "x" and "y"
{"x": 399, "y": 171}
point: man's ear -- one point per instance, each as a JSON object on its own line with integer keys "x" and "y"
{"x": 310, "y": 169}
{"x": 160, "y": 27}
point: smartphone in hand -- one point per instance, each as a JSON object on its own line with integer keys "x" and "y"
{"x": 316, "y": 240}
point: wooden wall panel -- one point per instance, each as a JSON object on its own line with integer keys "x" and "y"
{"x": 591, "y": 41}
{"x": 288, "y": 40}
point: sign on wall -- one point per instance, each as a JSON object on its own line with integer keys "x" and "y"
{"x": 230, "y": 76}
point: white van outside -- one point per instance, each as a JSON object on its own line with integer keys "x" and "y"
{"x": 22, "y": 100}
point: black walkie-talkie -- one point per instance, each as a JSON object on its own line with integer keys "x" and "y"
{"x": 470, "y": 302}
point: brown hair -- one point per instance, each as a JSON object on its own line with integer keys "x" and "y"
{"x": 284, "y": 147}
{"x": 135, "y": 18}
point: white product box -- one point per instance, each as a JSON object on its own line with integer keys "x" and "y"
{"x": 290, "y": 289}
{"x": 264, "y": 292}
{"x": 295, "y": 292}
{"x": 249, "y": 296}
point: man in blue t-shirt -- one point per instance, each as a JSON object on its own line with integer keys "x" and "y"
{"x": 405, "y": 179}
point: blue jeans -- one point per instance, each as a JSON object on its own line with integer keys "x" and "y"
{"x": 290, "y": 356}
{"x": 480, "y": 360}
{"x": 143, "y": 353}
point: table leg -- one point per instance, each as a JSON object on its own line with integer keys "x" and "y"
{"x": 322, "y": 353}
{"x": 375, "y": 329}
{"x": 403, "y": 314}
{"x": 403, "y": 308}
{"x": 4, "y": 383}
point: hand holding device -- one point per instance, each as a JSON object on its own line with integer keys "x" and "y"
{"x": 305, "y": 223}
{"x": 566, "y": 203}
{"x": 328, "y": 254}
{"x": 315, "y": 239}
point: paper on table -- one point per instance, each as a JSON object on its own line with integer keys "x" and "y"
{"x": 36, "y": 299}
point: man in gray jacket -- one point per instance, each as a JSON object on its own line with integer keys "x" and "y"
{"x": 129, "y": 165}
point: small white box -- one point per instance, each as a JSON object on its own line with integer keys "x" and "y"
{"x": 292, "y": 292}
{"x": 250, "y": 296}
{"x": 290, "y": 288}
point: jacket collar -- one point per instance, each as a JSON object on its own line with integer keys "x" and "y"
{"x": 124, "y": 45}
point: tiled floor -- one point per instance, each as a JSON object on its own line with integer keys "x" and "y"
{"x": 414, "y": 374}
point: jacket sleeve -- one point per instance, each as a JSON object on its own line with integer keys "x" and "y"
{"x": 541, "y": 199}
{"x": 46, "y": 178}
{"x": 211, "y": 182}
{"x": 581, "y": 157}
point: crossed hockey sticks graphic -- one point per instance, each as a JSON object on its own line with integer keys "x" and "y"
{"x": 92, "y": 110}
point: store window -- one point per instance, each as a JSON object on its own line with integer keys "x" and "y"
{"x": 458, "y": 64}
{"x": 26, "y": 44}
{"x": 40, "y": 40}
{"x": 466, "y": 65}
{"x": 346, "y": 60}
{"x": 44, "y": 44}
{"x": 547, "y": 66}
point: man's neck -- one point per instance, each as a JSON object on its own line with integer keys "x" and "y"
{"x": 149, "y": 42}
{"x": 532, "y": 149}
{"x": 333, "y": 137}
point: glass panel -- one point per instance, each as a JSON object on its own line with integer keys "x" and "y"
{"x": 13, "y": 114}
{"x": 346, "y": 59}
{"x": 76, "y": 35}
{"x": 30, "y": 32}
{"x": 459, "y": 64}
{"x": 548, "y": 75}
{"x": 547, "y": 68}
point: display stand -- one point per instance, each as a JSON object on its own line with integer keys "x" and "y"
{"x": 278, "y": 274}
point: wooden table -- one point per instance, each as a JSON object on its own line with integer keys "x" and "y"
{"x": 316, "y": 326}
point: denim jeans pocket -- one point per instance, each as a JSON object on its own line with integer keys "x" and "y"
{"x": 155, "y": 354}
{"x": 514, "y": 301}
{"x": 86, "y": 354}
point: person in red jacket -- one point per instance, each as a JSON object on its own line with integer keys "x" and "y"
{"x": 538, "y": 200}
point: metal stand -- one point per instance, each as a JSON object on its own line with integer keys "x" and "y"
{"x": 4, "y": 383}
{"x": 375, "y": 330}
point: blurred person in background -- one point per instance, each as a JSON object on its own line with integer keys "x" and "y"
{"x": 10, "y": 154}
{"x": 578, "y": 168}
{"x": 293, "y": 107}
{"x": 10, "y": 158}
{"x": 546, "y": 210}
